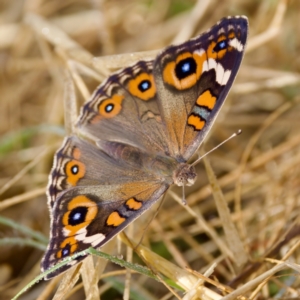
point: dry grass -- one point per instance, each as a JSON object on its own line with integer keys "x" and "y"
{"x": 253, "y": 254}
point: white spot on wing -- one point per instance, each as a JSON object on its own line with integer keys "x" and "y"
{"x": 235, "y": 43}
{"x": 221, "y": 30}
{"x": 66, "y": 232}
{"x": 222, "y": 76}
{"x": 226, "y": 77}
{"x": 200, "y": 52}
{"x": 94, "y": 240}
{"x": 212, "y": 64}
{"x": 220, "y": 73}
{"x": 81, "y": 234}
{"x": 97, "y": 239}
{"x": 205, "y": 66}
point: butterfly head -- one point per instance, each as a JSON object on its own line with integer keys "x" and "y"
{"x": 184, "y": 175}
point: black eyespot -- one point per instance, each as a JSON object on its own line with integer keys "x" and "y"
{"x": 221, "y": 46}
{"x": 75, "y": 169}
{"x": 77, "y": 215}
{"x": 66, "y": 250}
{"x": 144, "y": 85}
{"x": 109, "y": 107}
{"x": 185, "y": 68}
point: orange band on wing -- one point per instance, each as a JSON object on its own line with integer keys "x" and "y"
{"x": 133, "y": 204}
{"x": 76, "y": 153}
{"x": 207, "y": 99}
{"x": 114, "y": 219}
{"x": 231, "y": 35}
{"x": 196, "y": 122}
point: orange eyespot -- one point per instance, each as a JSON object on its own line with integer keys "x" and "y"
{"x": 111, "y": 107}
{"x": 217, "y": 50}
{"x": 75, "y": 170}
{"x": 67, "y": 247}
{"x": 81, "y": 212}
{"x": 142, "y": 86}
{"x": 184, "y": 72}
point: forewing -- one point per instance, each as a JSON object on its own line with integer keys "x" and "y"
{"x": 193, "y": 80}
{"x": 124, "y": 109}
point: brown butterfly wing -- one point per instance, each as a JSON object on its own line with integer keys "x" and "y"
{"x": 90, "y": 216}
{"x": 124, "y": 109}
{"x": 93, "y": 195}
{"x": 82, "y": 163}
{"x": 193, "y": 80}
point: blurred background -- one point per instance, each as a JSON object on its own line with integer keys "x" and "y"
{"x": 258, "y": 171}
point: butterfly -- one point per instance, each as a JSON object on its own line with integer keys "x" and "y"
{"x": 137, "y": 133}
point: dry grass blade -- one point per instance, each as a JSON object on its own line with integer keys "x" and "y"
{"x": 70, "y": 107}
{"x": 233, "y": 240}
{"x": 188, "y": 29}
{"x": 18, "y": 176}
{"x": 67, "y": 283}
{"x": 88, "y": 278}
{"x": 273, "y": 29}
{"x": 246, "y": 154}
{"x": 118, "y": 61}
{"x": 253, "y": 283}
{"x": 206, "y": 227}
{"x": 21, "y": 198}
{"x": 161, "y": 266}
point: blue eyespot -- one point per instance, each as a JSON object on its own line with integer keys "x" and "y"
{"x": 144, "y": 85}
{"x": 185, "y": 68}
{"x": 66, "y": 251}
{"x": 75, "y": 170}
{"x": 109, "y": 108}
{"x": 221, "y": 46}
{"x": 77, "y": 215}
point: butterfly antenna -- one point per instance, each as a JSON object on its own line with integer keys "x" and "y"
{"x": 183, "y": 196}
{"x": 213, "y": 149}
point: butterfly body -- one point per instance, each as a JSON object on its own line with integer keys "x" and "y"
{"x": 141, "y": 127}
